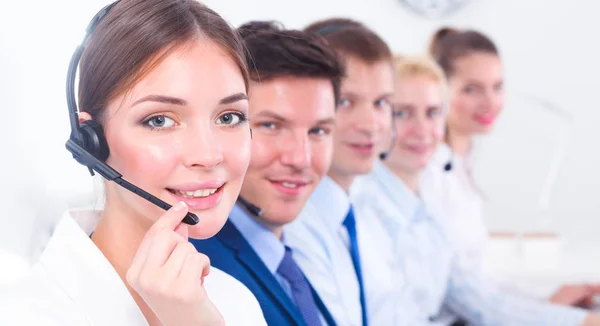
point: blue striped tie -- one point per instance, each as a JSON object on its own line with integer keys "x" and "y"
{"x": 350, "y": 224}
{"x": 301, "y": 290}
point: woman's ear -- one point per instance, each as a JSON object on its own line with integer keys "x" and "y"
{"x": 83, "y": 116}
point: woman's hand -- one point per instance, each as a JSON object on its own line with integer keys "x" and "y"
{"x": 580, "y": 295}
{"x": 168, "y": 273}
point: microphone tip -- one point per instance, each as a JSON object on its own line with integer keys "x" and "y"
{"x": 191, "y": 219}
{"x": 448, "y": 166}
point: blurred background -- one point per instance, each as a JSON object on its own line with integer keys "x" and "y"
{"x": 538, "y": 169}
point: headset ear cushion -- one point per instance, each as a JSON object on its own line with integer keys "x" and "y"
{"x": 93, "y": 139}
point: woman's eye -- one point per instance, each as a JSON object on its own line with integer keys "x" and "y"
{"x": 231, "y": 119}
{"x": 400, "y": 114}
{"x": 344, "y": 103}
{"x": 159, "y": 122}
{"x": 470, "y": 90}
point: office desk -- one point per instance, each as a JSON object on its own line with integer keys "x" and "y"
{"x": 540, "y": 263}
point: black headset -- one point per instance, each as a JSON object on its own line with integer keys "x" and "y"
{"x": 87, "y": 142}
{"x": 385, "y": 154}
{"x": 331, "y": 28}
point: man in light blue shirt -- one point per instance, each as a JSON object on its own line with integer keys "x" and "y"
{"x": 410, "y": 270}
{"x": 433, "y": 276}
{"x": 294, "y": 89}
{"x": 326, "y": 242}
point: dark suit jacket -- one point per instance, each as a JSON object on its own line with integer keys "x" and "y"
{"x": 230, "y": 252}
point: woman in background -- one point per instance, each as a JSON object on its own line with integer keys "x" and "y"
{"x": 435, "y": 286}
{"x": 167, "y": 83}
{"x": 472, "y": 64}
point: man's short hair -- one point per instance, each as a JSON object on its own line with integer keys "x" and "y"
{"x": 273, "y": 51}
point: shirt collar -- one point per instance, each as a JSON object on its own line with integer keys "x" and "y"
{"x": 85, "y": 275}
{"x": 264, "y": 242}
{"x": 408, "y": 203}
{"x": 331, "y": 201}
{"x": 442, "y": 156}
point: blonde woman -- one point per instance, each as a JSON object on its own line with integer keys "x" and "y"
{"x": 433, "y": 285}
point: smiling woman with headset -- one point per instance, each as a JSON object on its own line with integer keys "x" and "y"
{"x": 162, "y": 100}
{"x": 435, "y": 285}
{"x": 472, "y": 64}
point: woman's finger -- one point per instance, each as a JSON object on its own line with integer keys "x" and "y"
{"x": 175, "y": 263}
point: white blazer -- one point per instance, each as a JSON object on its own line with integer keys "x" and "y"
{"x": 74, "y": 284}
{"x": 461, "y": 204}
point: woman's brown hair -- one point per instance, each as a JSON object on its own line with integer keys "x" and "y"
{"x": 449, "y": 44}
{"x": 135, "y": 35}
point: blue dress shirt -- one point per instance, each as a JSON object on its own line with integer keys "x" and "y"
{"x": 433, "y": 276}
{"x": 321, "y": 248}
{"x": 265, "y": 243}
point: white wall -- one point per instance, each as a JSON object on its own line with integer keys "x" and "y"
{"x": 548, "y": 52}
{"x": 547, "y": 47}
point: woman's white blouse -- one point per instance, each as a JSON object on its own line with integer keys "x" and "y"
{"x": 74, "y": 284}
{"x": 460, "y": 203}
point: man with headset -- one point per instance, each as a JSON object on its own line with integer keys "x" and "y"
{"x": 326, "y": 240}
{"x": 293, "y": 95}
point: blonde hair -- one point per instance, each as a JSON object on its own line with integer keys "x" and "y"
{"x": 420, "y": 66}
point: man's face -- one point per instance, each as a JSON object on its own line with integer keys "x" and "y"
{"x": 292, "y": 120}
{"x": 363, "y": 115}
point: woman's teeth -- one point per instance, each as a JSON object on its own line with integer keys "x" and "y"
{"x": 197, "y": 193}
{"x": 289, "y": 184}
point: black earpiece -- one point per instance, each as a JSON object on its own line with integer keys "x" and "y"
{"x": 448, "y": 166}
{"x": 385, "y": 154}
{"x": 87, "y": 143}
{"x": 253, "y": 209}
{"x": 94, "y": 140}
{"x": 331, "y": 28}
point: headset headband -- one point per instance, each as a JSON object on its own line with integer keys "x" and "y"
{"x": 72, "y": 73}
{"x": 87, "y": 142}
{"x": 328, "y": 29}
